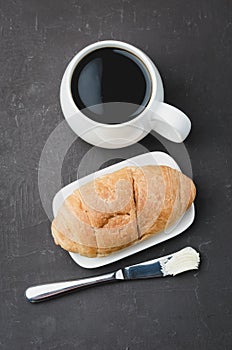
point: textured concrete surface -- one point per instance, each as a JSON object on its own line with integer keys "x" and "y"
{"x": 191, "y": 42}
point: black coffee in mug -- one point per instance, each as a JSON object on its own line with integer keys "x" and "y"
{"x": 111, "y": 85}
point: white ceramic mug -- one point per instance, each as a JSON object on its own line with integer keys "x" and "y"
{"x": 165, "y": 119}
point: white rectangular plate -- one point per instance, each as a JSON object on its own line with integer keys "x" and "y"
{"x": 152, "y": 158}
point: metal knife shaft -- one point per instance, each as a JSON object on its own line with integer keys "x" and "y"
{"x": 47, "y": 291}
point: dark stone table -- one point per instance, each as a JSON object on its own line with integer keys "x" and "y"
{"x": 191, "y": 42}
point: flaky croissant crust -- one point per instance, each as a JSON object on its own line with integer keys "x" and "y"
{"x": 121, "y": 209}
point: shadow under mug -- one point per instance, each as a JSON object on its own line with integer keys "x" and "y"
{"x": 165, "y": 119}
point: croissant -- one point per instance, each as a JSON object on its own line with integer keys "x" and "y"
{"x": 122, "y": 208}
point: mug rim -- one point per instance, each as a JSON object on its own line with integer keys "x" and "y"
{"x": 101, "y": 44}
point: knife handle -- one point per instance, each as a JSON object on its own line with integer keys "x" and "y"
{"x": 46, "y": 291}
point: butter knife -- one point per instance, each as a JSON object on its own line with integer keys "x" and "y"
{"x": 173, "y": 264}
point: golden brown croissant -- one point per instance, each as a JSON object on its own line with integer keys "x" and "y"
{"x": 121, "y": 209}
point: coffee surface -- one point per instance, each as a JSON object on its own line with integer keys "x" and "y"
{"x": 111, "y": 86}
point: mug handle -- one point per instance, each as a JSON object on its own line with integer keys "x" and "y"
{"x": 170, "y": 122}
